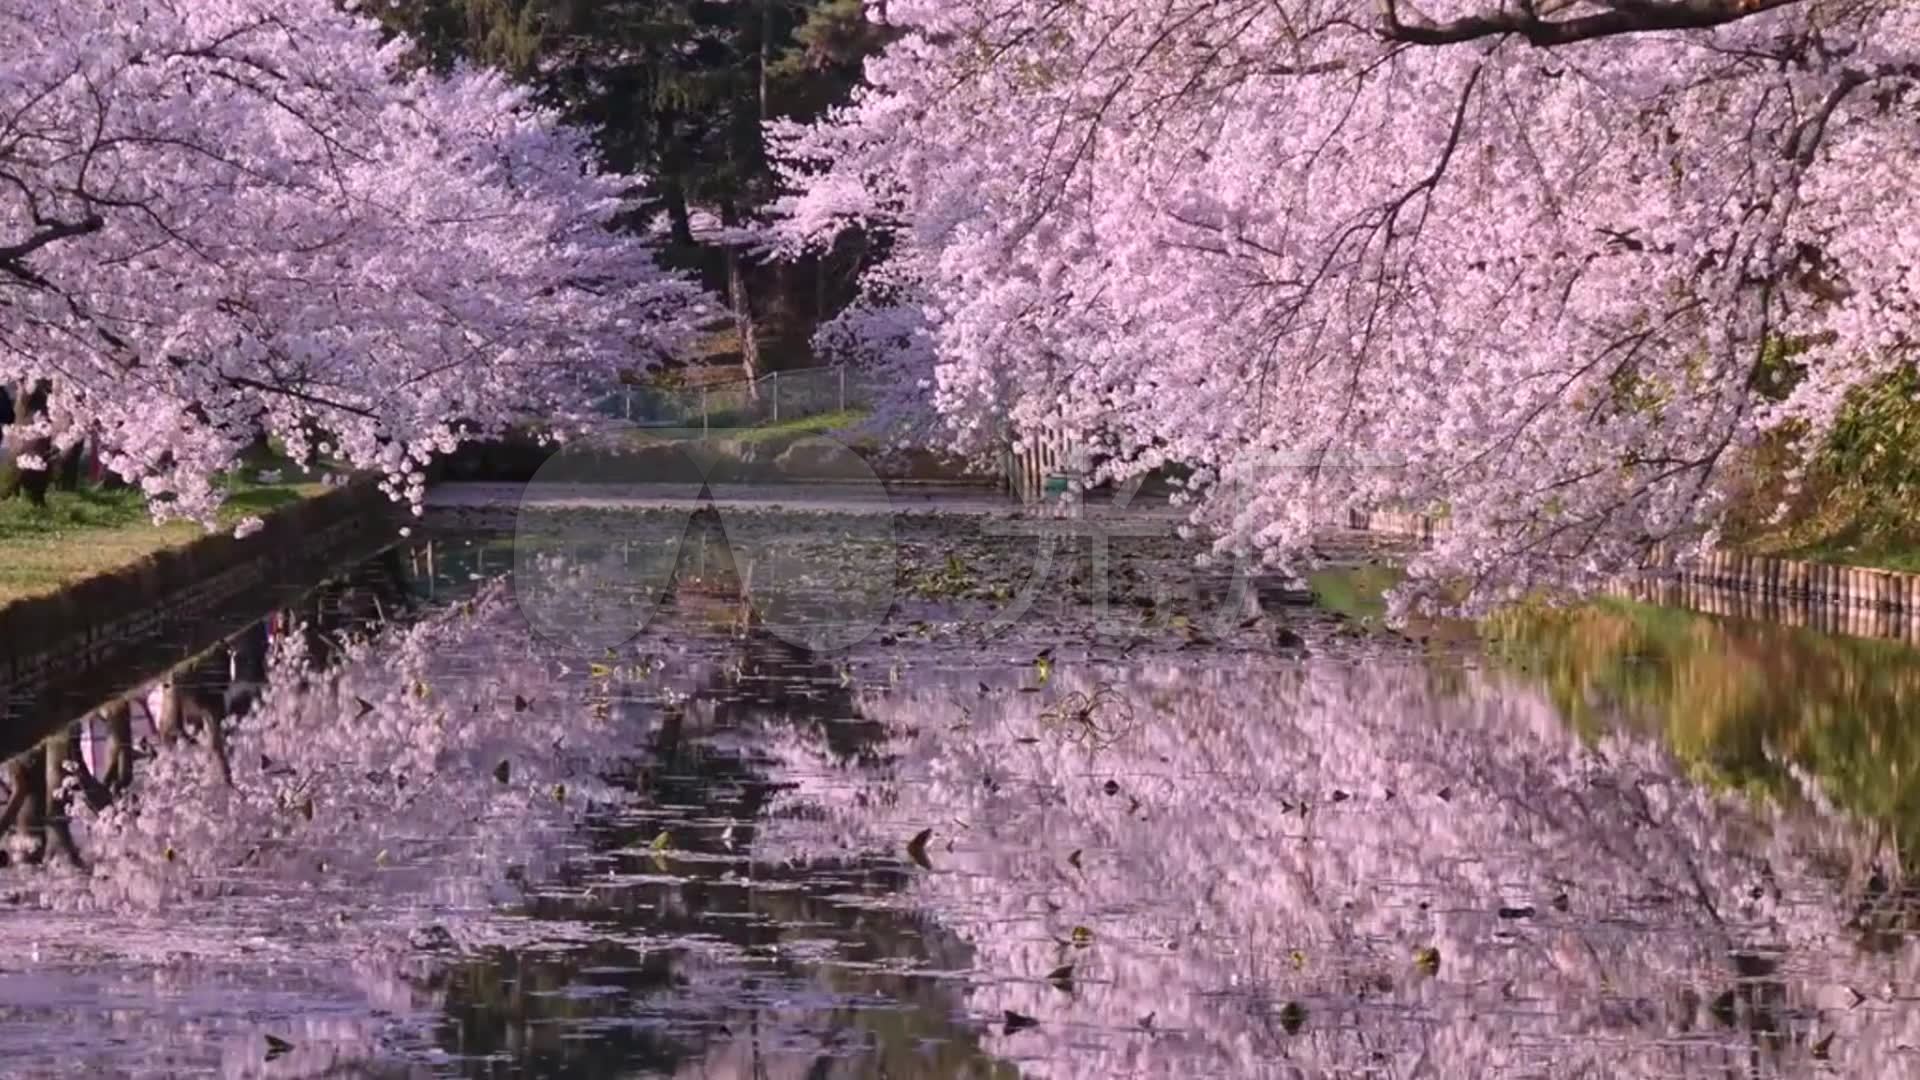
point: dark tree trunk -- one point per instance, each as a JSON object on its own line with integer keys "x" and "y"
{"x": 66, "y": 474}
{"x": 742, "y": 303}
{"x": 30, "y": 402}
{"x": 30, "y": 483}
{"x": 679, "y": 220}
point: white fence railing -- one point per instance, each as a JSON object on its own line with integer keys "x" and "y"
{"x": 776, "y": 396}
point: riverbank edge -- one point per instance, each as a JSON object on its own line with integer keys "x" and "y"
{"x": 1769, "y": 577}
{"x": 76, "y": 625}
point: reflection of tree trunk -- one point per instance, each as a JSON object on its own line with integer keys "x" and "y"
{"x": 95, "y": 792}
{"x": 59, "y": 749}
{"x": 182, "y": 709}
{"x": 217, "y": 739}
{"x": 27, "y": 806}
{"x": 118, "y": 774}
{"x": 166, "y": 723}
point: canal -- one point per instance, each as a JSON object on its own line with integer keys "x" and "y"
{"x": 846, "y": 795}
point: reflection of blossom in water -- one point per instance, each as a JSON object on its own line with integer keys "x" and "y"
{"x": 374, "y": 785}
{"x": 223, "y": 1007}
{"x": 365, "y": 811}
{"x": 1214, "y": 899}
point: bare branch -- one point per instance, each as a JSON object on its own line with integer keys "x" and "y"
{"x": 1617, "y": 18}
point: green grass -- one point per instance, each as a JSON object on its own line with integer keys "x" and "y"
{"x": 1358, "y": 592}
{"x": 80, "y": 534}
{"x": 783, "y": 431}
{"x": 792, "y": 430}
{"x": 1845, "y": 551}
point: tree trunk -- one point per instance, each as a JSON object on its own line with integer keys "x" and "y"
{"x": 674, "y": 191}
{"x": 30, "y": 402}
{"x": 742, "y": 304}
{"x": 66, "y": 474}
{"x": 31, "y": 483}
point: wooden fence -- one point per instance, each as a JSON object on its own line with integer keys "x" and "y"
{"x": 1029, "y": 467}
{"x": 1856, "y": 600}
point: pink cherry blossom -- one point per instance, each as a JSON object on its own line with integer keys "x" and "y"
{"x": 221, "y": 218}
{"x": 1534, "y": 253}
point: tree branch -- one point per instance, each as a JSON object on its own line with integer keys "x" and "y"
{"x": 1621, "y": 17}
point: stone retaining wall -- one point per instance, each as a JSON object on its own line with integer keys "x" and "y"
{"x": 60, "y": 645}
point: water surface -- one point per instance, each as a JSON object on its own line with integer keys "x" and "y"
{"x": 1135, "y": 841}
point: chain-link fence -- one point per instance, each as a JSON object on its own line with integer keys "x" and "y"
{"x": 772, "y": 398}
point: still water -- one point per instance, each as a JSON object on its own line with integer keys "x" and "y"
{"x": 430, "y": 839}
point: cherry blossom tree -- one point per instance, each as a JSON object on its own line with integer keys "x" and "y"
{"x": 222, "y": 219}
{"x": 1566, "y": 262}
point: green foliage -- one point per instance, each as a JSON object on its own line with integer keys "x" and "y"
{"x": 676, "y": 89}
{"x": 1873, "y": 448}
{"x": 1357, "y": 592}
{"x": 1744, "y": 704}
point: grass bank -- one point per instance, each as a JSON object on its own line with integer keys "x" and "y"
{"x": 79, "y": 534}
{"x": 770, "y": 432}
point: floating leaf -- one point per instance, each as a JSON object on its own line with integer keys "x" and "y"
{"x": 1082, "y": 937}
{"x": 1299, "y": 960}
{"x": 1062, "y": 978}
{"x": 599, "y": 670}
{"x": 277, "y": 1047}
{"x": 1146, "y": 1022}
{"x": 420, "y": 690}
{"x": 663, "y": 841}
{"x": 1025, "y": 739}
{"x": 1111, "y": 787}
{"x": 381, "y": 858}
{"x": 559, "y": 793}
{"x": 1018, "y": 1022}
{"x": 1560, "y": 902}
{"x": 306, "y": 808}
{"x": 365, "y": 707}
{"x": 169, "y": 853}
{"x": 1525, "y": 911}
{"x": 1073, "y": 860}
{"x": 503, "y": 772}
{"x": 917, "y": 848}
{"x": 1427, "y": 960}
{"x": 1823, "y": 1049}
{"x": 521, "y": 704}
{"x": 1042, "y": 668}
{"x": 1293, "y": 1017}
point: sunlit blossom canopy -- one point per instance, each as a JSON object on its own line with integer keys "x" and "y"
{"x": 222, "y": 218}
{"x": 1545, "y": 257}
